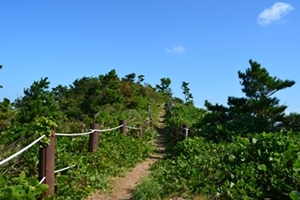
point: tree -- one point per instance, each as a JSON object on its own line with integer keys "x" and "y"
{"x": 110, "y": 88}
{"x": 164, "y": 86}
{"x": 129, "y": 78}
{"x": 259, "y": 87}
{"x": 259, "y": 111}
{"x": 37, "y": 102}
{"x": 141, "y": 78}
{"x": 59, "y": 92}
{"x": 257, "y": 83}
{"x": 186, "y": 91}
{"x": 90, "y": 93}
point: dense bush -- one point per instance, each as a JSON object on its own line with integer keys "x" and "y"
{"x": 175, "y": 118}
{"x": 20, "y": 187}
{"x": 263, "y": 166}
{"x": 115, "y": 154}
{"x": 190, "y": 170}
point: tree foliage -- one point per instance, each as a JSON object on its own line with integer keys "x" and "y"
{"x": 164, "y": 86}
{"x": 129, "y": 77}
{"x": 141, "y": 78}
{"x": 186, "y": 92}
{"x": 257, "y": 112}
{"x": 37, "y": 101}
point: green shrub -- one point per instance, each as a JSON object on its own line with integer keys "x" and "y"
{"x": 20, "y": 188}
{"x": 264, "y": 166}
{"x": 261, "y": 166}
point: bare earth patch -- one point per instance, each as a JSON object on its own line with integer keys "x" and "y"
{"x": 123, "y": 186}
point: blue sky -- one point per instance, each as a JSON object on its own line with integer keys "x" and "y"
{"x": 204, "y": 43}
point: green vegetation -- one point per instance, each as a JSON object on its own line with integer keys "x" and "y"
{"x": 248, "y": 150}
{"x": 116, "y": 154}
{"x": 106, "y": 100}
{"x": 186, "y": 91}
{"x": 164, "y": 86}
{"x": 20, "y": 187}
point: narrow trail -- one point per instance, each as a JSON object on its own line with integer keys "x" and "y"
{"x": 123, "y": 186}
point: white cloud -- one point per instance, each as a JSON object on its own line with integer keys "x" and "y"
{"x": 274, "y": 13}
{"x": 177, "y": 50}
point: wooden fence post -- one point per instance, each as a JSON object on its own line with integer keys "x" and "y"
{"x": 94, "y": 138}
{"x": 141, "y": 130}
{"x": 123, "y": 129}
{"x": 185, "y": 130}
{"x": 47, "y": 165}
{"x": 150, "y": 123}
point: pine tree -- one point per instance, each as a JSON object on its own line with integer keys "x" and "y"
{"x": 164, "y": 86}
{"x": 186, "y": 91}
{"x": 259, "y": 111}
{"x": 37, "y": 101}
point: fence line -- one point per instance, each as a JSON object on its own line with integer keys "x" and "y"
{"x": 64, "y": 169}
{"x": 88, "y": 133}
{"x": 22, "y": 150}
{"x": 47, "y": 154}
{"x": 74, "y": 134}
{"x": 110, "y": 129}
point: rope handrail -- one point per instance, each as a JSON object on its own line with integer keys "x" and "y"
{"x": 106, "y": 130}
{"x": 87, "y": 133}
{"x": 74, "y": 134}
{"x": 21, "y": 151}
{"x": 63, "y": 169}
{"x": 130, "y": 127}
{"x": 43, "y": 179}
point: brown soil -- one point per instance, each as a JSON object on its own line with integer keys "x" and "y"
{"x": 122, "y": 186}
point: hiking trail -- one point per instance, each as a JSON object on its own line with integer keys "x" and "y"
{"x": 123, "y": 186}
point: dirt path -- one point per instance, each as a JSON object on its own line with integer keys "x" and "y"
{"x": 122, "y": 187}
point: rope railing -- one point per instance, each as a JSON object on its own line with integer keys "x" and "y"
{"x": 21, "y": 151}
{"x": 63, "y": 169}
{"x": 43, "y": 179}
{"x": 87, "y": 133}
{"x": 74, "y": 134}
{"x": 130, "y": 127}
{"x": 47, "y": 171}
{"x": 110, "y": 129}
